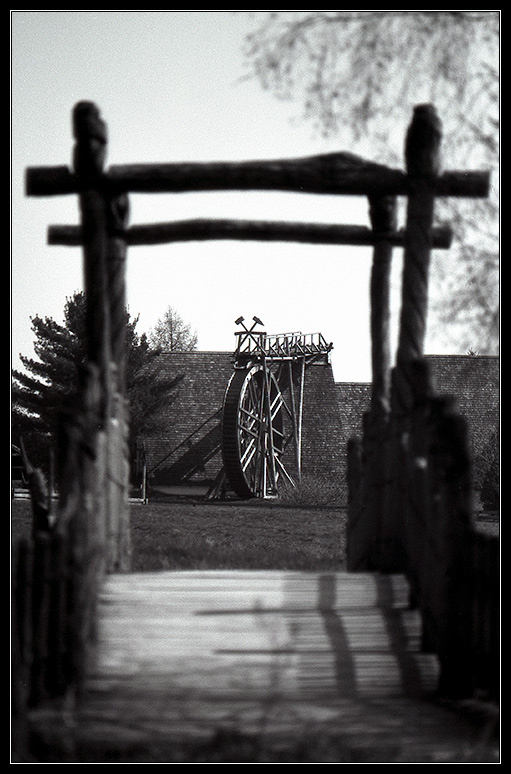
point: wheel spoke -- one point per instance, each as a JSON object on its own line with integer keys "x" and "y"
{"x": 249, "y": 432}
{"x": 248, "y": 414}
{"x": 245, "y": 461}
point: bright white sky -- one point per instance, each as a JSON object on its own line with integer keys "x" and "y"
{"x": 167, "y": 85}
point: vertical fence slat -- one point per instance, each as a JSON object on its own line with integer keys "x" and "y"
{"x": 22, "y": 626}
{"x": 58, "y": 634}
{"x": 41, "y": 595}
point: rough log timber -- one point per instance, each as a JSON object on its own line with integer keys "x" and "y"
{"x": 336, "y": 173}
{"x": 199, "y": 229}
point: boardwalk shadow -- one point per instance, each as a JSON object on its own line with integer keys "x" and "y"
{"x": 374, "y": 638}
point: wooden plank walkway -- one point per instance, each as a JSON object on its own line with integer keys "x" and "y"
{"x": 263, "y": 667}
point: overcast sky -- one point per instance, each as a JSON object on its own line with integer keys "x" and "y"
{"x": 168, "y": 87}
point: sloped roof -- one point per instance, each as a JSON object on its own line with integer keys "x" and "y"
{"x": 186, "y": 448}
{"x": 473, "y": 380}
{"x": 354, "y": 399}
{"x": 187, "y": 445}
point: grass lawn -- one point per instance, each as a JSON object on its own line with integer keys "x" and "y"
{"x": 185, "y": 534}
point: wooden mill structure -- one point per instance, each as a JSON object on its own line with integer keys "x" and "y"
{"x": 263, "y": 397}
{"x": 409, "y": 476}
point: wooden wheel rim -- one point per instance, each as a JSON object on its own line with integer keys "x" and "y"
{"x": 252, "y": 432}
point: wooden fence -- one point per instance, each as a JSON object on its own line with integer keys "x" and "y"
{"x": 411, "y": 511}
{"x": 59, "y": 571}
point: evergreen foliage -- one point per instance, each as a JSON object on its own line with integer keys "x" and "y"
{"x": 49, "y": 384}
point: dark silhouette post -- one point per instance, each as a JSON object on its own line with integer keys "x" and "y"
{"x": 367, "y": 496}
{"x": 422, "y": 154}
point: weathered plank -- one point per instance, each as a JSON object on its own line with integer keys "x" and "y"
{"x": 188, "y": 658}
{"x": 257, "y": 631}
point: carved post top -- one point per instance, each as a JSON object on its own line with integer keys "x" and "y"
{"x": 90, "y": 134}
{"x": 423, "y": 139}
{"x": 422, "y": 154}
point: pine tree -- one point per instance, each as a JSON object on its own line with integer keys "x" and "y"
{"x": 49, "y": 383}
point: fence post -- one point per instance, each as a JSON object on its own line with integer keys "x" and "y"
{"x": 449, "y": 591}
{"x": 22, "y": 628}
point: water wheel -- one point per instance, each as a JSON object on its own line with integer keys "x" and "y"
{"x": 253, "y": 432}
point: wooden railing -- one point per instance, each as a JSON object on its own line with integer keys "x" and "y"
{"x": 91, "y": 536}
{"x": 411, "y": 511}
{"x": 75, "y": 540}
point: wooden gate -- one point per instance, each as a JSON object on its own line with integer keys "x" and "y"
{"x": 92, "y": 526}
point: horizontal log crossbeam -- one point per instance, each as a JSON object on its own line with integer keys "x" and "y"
{"x": 201, "y": 229}
{"x": 335, "y": 173}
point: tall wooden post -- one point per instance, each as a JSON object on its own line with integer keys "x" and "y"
{"x": 89, "y": 156}
{"x": 104, "y": 219}
{"x": 422, "y": 153}
{"x": 365, "y": 515}
{"x": 118, "y": 529}
{"x": 383, "y": 214}
{"x": 82, "y": 444}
